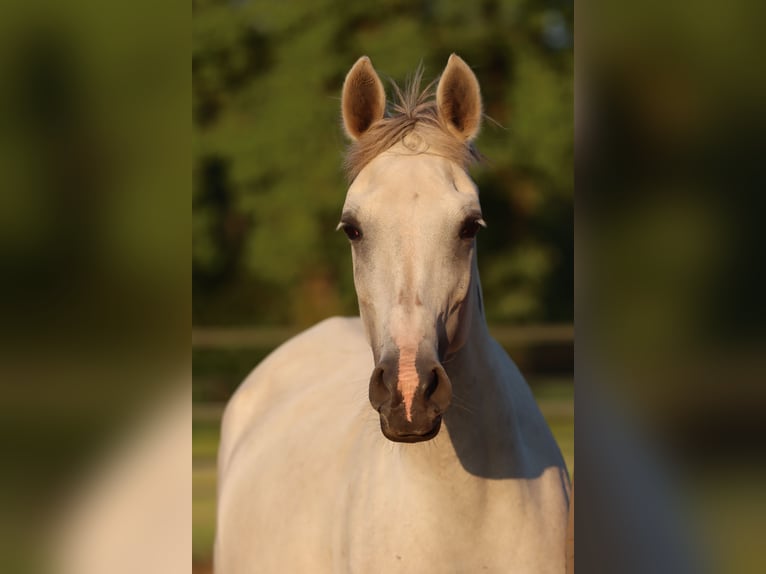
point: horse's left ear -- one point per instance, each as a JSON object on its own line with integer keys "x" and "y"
{"x": 459, "y": 99}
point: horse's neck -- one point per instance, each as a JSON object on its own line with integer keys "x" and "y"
{"x": 475, "y": 370}
{"x": 490, "y": 399}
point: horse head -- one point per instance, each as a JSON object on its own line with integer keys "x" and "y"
{"x": 411, "y": 214}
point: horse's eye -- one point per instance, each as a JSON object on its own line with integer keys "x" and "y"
{"x": 352, "y": 232}
{"x": 471, "y": 228}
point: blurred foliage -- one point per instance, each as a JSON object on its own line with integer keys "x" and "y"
{"x": 94, "y": 251}
{"x": 93, "y": 236}
{"x": 268, "y": 147}
{"x": 670, "y": 313}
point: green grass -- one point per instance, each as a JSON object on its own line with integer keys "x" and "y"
{"x": 203, "y": 512}
{"x": 205, "y": 437}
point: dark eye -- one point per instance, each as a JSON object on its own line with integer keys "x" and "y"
{"x": 351, "y": 232}
{"x": 471, "y": 228}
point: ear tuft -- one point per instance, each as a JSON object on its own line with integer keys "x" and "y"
{"x": 459, "y": 99}
{"x": 364, "y": 98}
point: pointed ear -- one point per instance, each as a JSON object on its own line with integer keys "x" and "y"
{"x": 364, "y": 99}
{"x": 459, "y": 99}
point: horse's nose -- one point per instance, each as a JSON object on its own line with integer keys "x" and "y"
{"x": 438, "y": 389}
{"x": 410, "y": 415}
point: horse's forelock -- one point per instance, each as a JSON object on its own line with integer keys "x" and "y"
{"x": 413, "y": 110}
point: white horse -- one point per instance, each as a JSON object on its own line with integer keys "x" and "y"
{"x": 465, "y": 475}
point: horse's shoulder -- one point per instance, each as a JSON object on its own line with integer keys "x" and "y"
{"x": 330, "y": 336}
{"x": 312, "y": 351}
{"x": 327, "y": 336}
{"x": 335, "y": 326}
{"x": 308, "y": 350}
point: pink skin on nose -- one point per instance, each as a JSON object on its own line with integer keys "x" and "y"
{"x": 408, "y": 378}
{"x": 404, "y": 334}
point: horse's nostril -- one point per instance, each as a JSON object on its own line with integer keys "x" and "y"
{"x": 433, "y": 382}
{"x": 379, "y": 391}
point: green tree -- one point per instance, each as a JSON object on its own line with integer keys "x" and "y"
{"x": 268, "y": 148}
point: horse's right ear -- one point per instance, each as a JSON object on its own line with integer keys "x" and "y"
{"x": 364, "y": 98}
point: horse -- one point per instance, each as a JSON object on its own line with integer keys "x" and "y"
{"x": 454, "y": 468}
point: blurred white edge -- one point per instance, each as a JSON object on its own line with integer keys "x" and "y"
{"x": 132, "y": 512}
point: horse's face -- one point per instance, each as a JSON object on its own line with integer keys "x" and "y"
{"x": 411, "y": 219}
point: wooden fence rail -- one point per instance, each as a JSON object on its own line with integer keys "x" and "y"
{"x": 245, "y": 337}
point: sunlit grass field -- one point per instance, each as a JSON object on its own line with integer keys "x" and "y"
{"x": 555, "y": 396}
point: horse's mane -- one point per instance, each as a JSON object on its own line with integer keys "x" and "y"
{"x": 413, "y": 120}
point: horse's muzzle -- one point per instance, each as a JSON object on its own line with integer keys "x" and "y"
{"x": 396, "y": 435}
{"x": 418, "y": 416}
